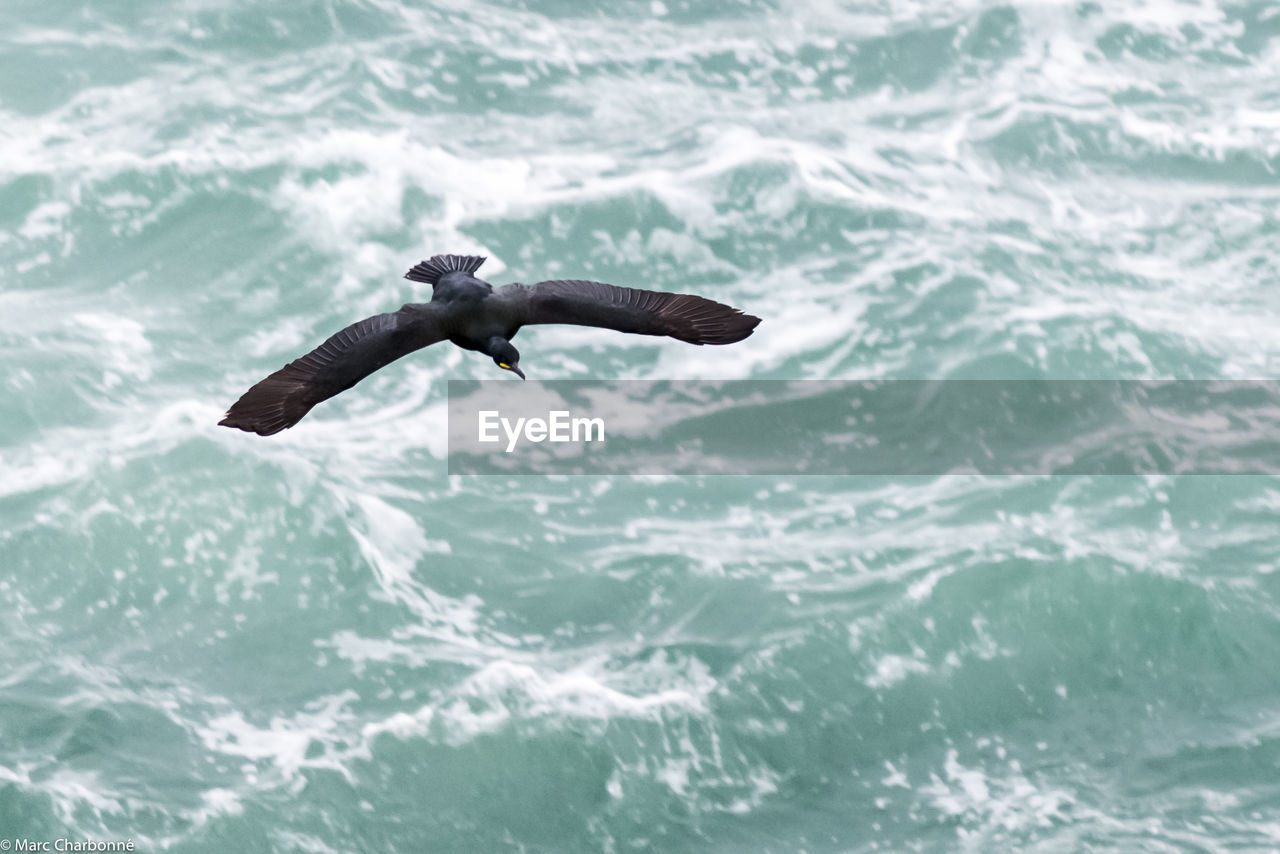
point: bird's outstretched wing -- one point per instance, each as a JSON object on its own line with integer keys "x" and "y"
{"x": 683, "y": 316}
{"x": 280, "y": 400}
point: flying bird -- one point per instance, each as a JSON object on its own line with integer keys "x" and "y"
{"x": 474, "y": 315}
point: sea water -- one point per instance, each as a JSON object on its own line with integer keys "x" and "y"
{"x": 323, "y": 642}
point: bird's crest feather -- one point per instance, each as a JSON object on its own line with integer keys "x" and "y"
{"x": 433, "y": 268}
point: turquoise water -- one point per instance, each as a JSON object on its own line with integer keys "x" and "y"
{"x": 322, "y": 642}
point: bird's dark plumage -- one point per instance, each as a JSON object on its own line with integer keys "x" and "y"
{"x": 433, "y": 268}
{"x": 472, "y": 314}
{"x": 694, "y": 319}
{"x": 280, "y": 401}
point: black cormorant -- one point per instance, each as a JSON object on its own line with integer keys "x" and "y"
{"x": 471, "y": 313}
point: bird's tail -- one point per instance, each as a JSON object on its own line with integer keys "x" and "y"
{"x": 433, "y": 268}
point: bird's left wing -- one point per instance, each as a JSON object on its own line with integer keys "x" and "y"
{"x": 279, "y": 401}
{"x": 682, "y": 316}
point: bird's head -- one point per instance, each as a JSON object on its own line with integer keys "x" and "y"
{"x": 508, "y": 358}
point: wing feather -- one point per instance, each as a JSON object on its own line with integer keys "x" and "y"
{"x": 282, "y": 399}
{"x": 685, "y": 317}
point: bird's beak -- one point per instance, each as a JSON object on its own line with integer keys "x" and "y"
{"x": 515, "y": 369}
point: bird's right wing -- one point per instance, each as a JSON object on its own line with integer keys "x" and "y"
{"x": 682, "y": 316}
{"x": 279, "y": 401}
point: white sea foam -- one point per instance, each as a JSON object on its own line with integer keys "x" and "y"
{"x": 993, "y": 806}
{"x": 121, "y": 343}
{"x": 282, "y": 745}
{"x": 891, "y": 669}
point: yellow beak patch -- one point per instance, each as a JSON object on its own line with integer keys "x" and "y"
{"x": 504, "y": 365}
